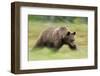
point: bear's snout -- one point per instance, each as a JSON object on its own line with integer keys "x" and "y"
{"x": 73, "y": 47}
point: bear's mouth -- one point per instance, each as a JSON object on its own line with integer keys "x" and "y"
{"x": 73, "y": 47}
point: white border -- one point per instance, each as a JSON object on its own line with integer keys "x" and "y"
{"x": 25, "y": 64}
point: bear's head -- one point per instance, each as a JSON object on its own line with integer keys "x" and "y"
{"x": 69, "y": 39}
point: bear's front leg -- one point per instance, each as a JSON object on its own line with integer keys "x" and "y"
{"x": 57, "y": 45}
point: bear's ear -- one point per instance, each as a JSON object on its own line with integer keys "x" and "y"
{"x": 68, "y": 33}
{"x": 74, "y": 33}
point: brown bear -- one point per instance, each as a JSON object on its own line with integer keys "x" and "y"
{"x": 56, "y": 38}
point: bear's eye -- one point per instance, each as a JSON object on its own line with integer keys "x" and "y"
{"x": 72, "y": 40}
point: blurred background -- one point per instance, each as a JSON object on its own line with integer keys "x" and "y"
{"x": 38, "y": 23}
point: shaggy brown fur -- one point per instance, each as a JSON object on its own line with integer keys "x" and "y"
{"x": 56, "y": 37}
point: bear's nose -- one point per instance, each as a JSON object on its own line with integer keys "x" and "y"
{"x": 74, "y": 47}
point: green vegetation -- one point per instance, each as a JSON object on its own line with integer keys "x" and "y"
{"x": 39, "y": 23}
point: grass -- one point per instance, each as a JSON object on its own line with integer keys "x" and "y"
{"x": 36, "y": 27}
